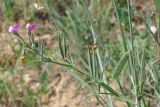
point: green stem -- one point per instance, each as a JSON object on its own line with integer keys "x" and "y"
{"x": 103, "y": 78}
{"x": 94, "y": 35}
{"x": 120, "y": 25}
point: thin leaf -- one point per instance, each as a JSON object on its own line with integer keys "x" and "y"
{"x": 90, "y": 60}
{"x": 120, "y": 66}
{"x": 108, "y": 88}
{"x": 142, "y": 74}
{"x": 60, "y": 46}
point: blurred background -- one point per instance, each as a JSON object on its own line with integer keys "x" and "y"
{"x": 25, "y": 81}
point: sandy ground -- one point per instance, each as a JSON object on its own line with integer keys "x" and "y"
{"x": 63, "y": 90}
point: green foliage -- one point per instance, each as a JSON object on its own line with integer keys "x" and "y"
{"x": 156, "y": 3}
{"x": 88, "y": 28}
{"x": 9, "y": 4}
{"x": 120, "y": 66}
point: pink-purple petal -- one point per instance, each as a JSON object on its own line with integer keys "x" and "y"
{"x": 17, "y": 26}
{"x": 14, "y": 28}
{"x": 30, "y": 26}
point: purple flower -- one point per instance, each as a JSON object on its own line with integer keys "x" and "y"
{"x": 30, "y": 26}
{"x": 14, "y": 28}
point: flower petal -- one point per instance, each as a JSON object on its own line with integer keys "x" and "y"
{"x": 30, "y": 26}
{"x": 14, "y": 28}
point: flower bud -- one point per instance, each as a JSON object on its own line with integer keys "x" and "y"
{"x": 38, "y": 7}
{"x": 153, "y": 29}
{"x": 30, "y": 26}
{"x": 14, "y": 28}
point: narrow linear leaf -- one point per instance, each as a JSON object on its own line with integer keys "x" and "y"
{"x": 120, "y": 65}
{"x": 154, "y": 74}
{"x": 90, "y": 63}
{"x": 65, "y": 46}
{"x": 127, "y": 99}
{"x": 142, "y": 74}
{"x": 60, "y": 46}
{"x": 108, "y": 88}
{"x": 113, "y": 92}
